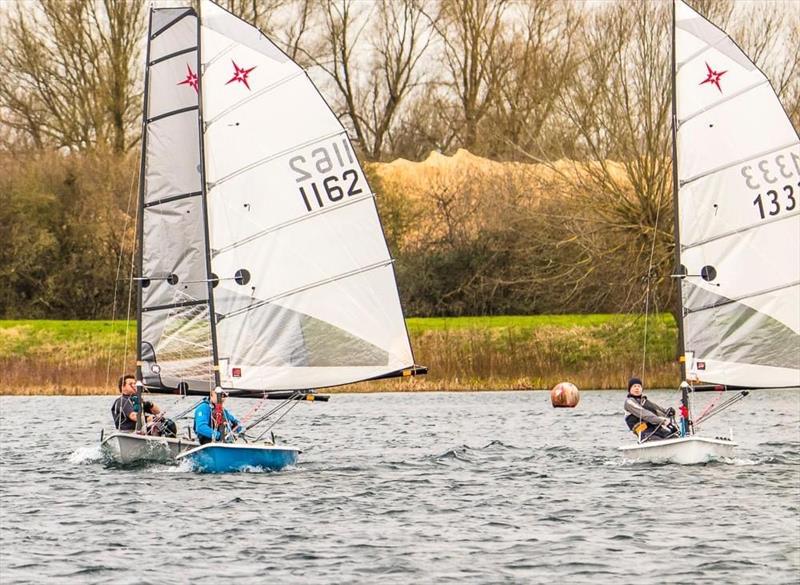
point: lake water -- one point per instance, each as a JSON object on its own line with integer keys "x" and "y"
{"x": 402, "y": 488}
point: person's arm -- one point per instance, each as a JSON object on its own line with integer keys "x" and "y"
{"x": 127, "y": 410}
{"x": 656, "y": 408}
{"x": 202, "y": 422}
{"x": 233, "y": 421}
{"x": 637, "y": 410}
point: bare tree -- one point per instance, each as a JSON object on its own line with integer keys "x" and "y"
{"x": 373, "y": 67}
{"x": 285, "y": 22}
{"x": 543, "y": 62}
{"x": 71, "y": 73}
{"x": 620, "y": 212}
{"x": 477, "y": 56}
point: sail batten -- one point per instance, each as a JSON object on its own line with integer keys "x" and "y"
{"x": 165, "y": 27}
{"x": 172, "y": 55}
{"x": 748, "y": 158}
{"x": 726, "y": 301}
{"x": 310, "y": 286}
{"x": 737, "y": 174}
{"x": 310, "y": 216}
{"x": 171, "y": 199}
{"x": 257, "y": 94}
{"x": 722, "y": 101}
{"x": 689, "y": 246}
{"x": 277, "y": 155}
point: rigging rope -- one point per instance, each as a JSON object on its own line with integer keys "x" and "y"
{"x": 647, "y": 290}
{"x": 134, "y": 177}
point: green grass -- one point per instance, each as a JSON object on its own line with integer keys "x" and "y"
{"x": 593, "y": 351}
{"x": 67, "y": 339}
{"x": 422, "y": 324}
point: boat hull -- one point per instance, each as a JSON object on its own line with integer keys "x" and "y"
{"x": 128, "y": 448}
{"x": 682, "y": 450}
{"x": 232, "y": 457}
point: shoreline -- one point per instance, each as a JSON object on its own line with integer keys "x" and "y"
{"x": 500, "y": 353}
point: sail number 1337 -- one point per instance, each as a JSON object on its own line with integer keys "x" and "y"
{"x": 768, "y": 174}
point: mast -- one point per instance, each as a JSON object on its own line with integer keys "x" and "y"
{"x": 212, "y": 316}
{"x": 675, "y": 206}
{"x": 140, "y": 207}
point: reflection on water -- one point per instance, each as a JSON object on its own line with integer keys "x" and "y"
{"x": 460, "y": 488}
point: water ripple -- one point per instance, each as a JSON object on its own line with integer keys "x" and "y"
{"x": 399, "y": 488}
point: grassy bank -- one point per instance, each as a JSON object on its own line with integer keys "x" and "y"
{"x": 465, "y": 353}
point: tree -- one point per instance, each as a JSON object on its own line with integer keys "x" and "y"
{"x": 71, "y": 73}
{"x": 524, "y": 114}
{"x": 285, "y": 22}
{"x": 373, "y": 70}
{"x": 477, "y": 57}
{"x": 620, "y": 213}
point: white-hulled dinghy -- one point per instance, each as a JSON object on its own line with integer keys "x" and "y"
{"x": 736, "y": 186}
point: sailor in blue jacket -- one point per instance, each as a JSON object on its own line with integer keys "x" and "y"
{"x": 208, "y": 419}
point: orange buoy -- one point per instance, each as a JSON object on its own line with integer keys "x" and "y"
{"x": 565, "y": 395}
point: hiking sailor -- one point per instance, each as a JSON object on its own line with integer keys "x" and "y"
{"x": 646, "y": 418}
{"x": 213, "y": 422}
{"x": 126, "y": 408}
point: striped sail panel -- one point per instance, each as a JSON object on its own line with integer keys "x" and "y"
{"x": 175, "y": 318}
{"x": 290, "y": 208}
{"x": 738, "y": 168}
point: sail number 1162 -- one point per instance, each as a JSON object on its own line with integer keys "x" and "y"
{"x": 326, "y": 175}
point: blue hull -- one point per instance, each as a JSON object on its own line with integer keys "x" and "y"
{"x": 226, "y": 458}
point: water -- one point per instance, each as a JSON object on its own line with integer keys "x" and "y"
{"x": 401, "y": 488}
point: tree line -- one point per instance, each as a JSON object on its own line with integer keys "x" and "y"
{"x": 583, "y": 89}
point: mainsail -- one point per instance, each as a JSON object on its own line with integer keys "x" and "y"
{"x": 262, "y": 245}
{"x": 738, "y": 213}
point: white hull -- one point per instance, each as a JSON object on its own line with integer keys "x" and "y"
{"x": 132, "y": 448}
{"x": 683, "y": 450}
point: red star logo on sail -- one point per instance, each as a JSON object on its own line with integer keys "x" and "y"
{"x": 713, "y": 77}
{"x": 191, "y": 79}
{"x": 240, "y": 74}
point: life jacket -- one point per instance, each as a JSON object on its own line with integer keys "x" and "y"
{"x": 216, "y": 420}
{"x": 121, "y": 421}
{"x": 635, "y": 424}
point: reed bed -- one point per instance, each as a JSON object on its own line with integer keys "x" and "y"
{"x": 493, "y": 353}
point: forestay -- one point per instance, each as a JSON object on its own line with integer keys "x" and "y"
{"x": 738, "y": 168}
{"x": 293, "y": 287}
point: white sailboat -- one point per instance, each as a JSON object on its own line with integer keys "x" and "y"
{"x": 736, "y": 177}
{"x": 263, "y": 265}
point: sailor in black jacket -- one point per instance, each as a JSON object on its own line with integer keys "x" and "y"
{"x": 646, "y": 418}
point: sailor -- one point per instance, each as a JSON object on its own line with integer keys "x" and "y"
{"x": 126, "y": 407}
{"x": 213, "y": 422}
{"x": 646, "y": 418}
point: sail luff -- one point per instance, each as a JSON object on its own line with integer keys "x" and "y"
{"x": 204, "y": 198}
{"x": 140, "y": 202}
{"x": 174, "y": 345}
{"x": 676, "y": 209}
